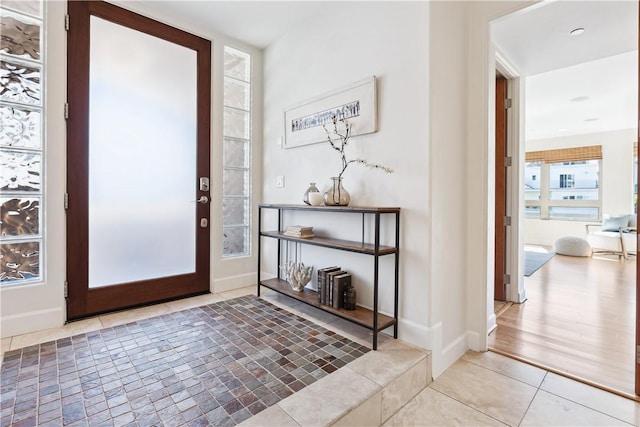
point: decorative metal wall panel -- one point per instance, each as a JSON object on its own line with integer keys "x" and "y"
{"x": 20, "y": 171}
{"x": 19, "y": 261}
{"x": 20, "y": 127}
{"x": 19, "y": 217}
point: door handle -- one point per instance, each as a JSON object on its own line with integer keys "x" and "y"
{"x": 203, "y": 199}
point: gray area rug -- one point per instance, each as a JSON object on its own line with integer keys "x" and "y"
{"x": 534, "y": 260}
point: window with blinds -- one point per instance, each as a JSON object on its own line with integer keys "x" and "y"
{"x": 563, "y": 184}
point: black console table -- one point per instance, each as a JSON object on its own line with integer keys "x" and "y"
{"x": 370, "y": 319}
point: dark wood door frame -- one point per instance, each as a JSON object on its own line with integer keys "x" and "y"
{"x": 82, "y": 301}
{"x": 637, "y": 349}
{"x": 499, "y": 292}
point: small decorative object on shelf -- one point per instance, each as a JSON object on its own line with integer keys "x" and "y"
{"x": 337, "y": 194}
{"x": 312, "y": 189}
{"x": 338, "y": 140}
{"x": 350, "y": 298}
{"x": 297, "y": 275}
{"x": 316, "y": 199}
{"x": 299, "y": 231}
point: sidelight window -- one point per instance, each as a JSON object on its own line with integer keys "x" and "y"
{"x": 21, "y": 141}
{"x": 236, "y": 152}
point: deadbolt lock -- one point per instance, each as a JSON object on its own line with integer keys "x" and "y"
{"x": 204, "y": 183}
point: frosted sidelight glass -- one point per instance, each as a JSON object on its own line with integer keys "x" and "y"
{"x": 19, "y": 261}
{"x": 235, "y": 211}
{"x": 142, "y": 161}
{"x": 236, "y": 153}
{"x": 20, "y": 127}
{"x": 20, "y": 83}
{"x": 20, "y": 216}
{"x": 237, "y": 64}
{"x": 20, "y": 171}
{"x": 236, "y": 123}
{"x": 237, "y": 94}
{"x": 235, "y": 241}
{"x": 20, "y": 35}
{"x": 235, "y": 182}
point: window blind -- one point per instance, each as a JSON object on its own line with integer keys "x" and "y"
{"x": 574, "y": 154}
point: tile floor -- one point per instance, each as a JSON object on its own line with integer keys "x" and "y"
{"x": 217, "y": 364}
{"x": 493, "y": 390}
{"x": 479, "y": 389}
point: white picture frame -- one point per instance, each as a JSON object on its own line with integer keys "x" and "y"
{"x": 356, "y": 102}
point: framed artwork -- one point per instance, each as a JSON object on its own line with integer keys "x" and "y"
{"x": 355, "y": 102}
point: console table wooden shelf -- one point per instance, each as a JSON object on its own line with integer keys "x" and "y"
{"x": 370, "y": 319}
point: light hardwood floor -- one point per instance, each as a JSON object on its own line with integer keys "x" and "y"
{"x": 579, "y": 319}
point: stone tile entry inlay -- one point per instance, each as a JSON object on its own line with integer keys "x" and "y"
{"x": 218, "y": 364}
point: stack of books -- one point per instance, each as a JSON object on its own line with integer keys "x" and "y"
{"x": 332, "y": 281}
{"x": 299, "y": 231}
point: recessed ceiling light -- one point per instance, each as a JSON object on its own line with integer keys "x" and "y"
{"x": 591, "y": 119}
{"x": 562, "y": 130}
{"x": 579, "y": 98}
{"x": 577, "y": 31}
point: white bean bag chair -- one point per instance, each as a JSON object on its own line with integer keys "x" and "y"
{"x": 572, "y": 246}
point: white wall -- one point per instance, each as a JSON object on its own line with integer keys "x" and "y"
{"x": 28, "y": 308}
{"x": 616, "y": 181}
{"x": 447, "y": 181}
{"x": 333, "y": 49}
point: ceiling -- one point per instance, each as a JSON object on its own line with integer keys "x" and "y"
{"x": 558, "y": 67}
{"x": 256, "y": 23}
{"x": 562, "y": 70}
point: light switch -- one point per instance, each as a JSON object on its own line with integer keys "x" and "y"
{"x": 280, "y": 181}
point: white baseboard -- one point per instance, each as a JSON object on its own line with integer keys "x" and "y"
{"x": 492, "y": 324}
{"x": 413, "y": 333}
{"x": 430, "y": 338}
{"x": 473, "y": 341}
{"x": 234, "y": 282}
{"x": 522, "y": 296}
{"x": 31, "y": 321}
{"x": 451, "y": 354}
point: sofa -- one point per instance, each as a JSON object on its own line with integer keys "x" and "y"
{"x": 616, "y": 234}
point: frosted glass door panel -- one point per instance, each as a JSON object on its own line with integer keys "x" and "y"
{"x": 142, "y": 156}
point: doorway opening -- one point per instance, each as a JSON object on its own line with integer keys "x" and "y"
{"x": 579, "y": 314}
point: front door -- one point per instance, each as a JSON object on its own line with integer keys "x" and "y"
{"x": 139, "y": 95}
